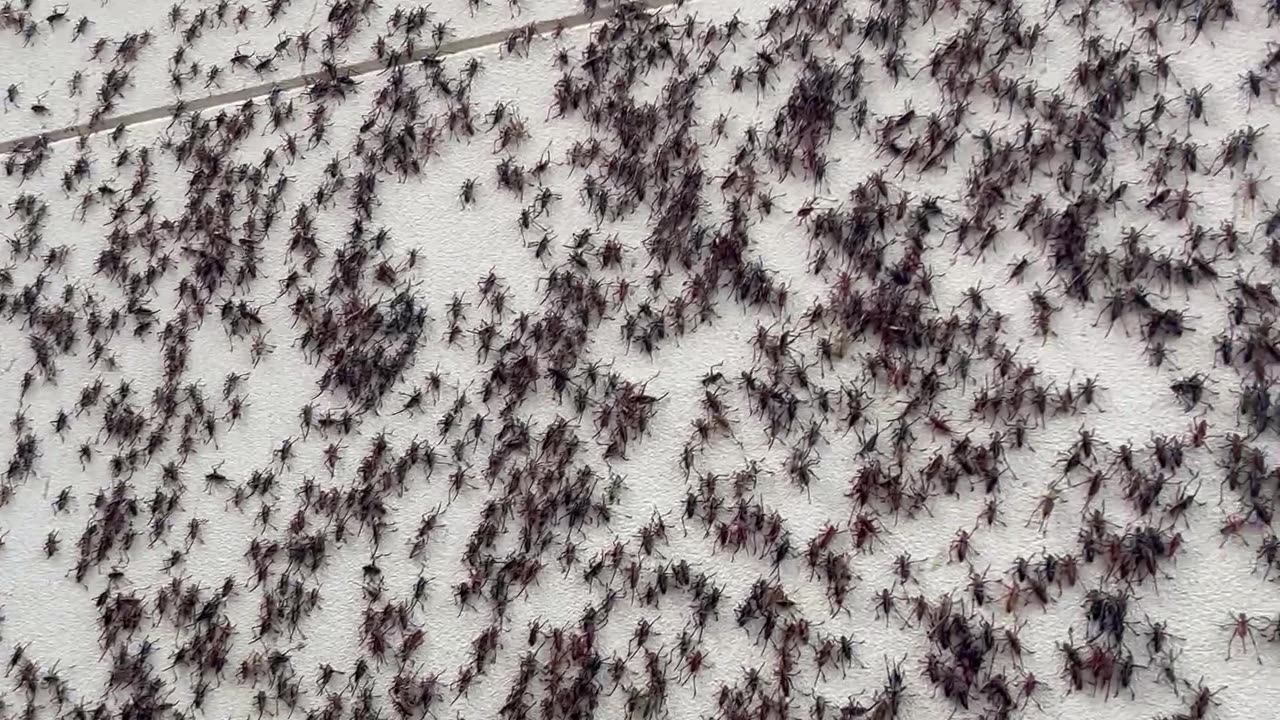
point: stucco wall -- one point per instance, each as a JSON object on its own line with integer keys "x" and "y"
{"x": 1211, "y": 576}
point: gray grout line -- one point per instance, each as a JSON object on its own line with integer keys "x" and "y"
{"x": 568, "y": 22}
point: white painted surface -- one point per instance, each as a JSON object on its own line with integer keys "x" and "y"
{"x": 1210, "y": 579}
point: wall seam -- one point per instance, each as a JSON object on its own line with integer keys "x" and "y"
{"x": 364, "y": 67}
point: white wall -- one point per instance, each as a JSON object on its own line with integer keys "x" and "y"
{"x": 1212, "y": 576}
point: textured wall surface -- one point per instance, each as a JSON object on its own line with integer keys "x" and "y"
{"x": 892, "y": 360}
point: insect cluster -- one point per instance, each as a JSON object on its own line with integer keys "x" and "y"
{"x": 826, "y": 359}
